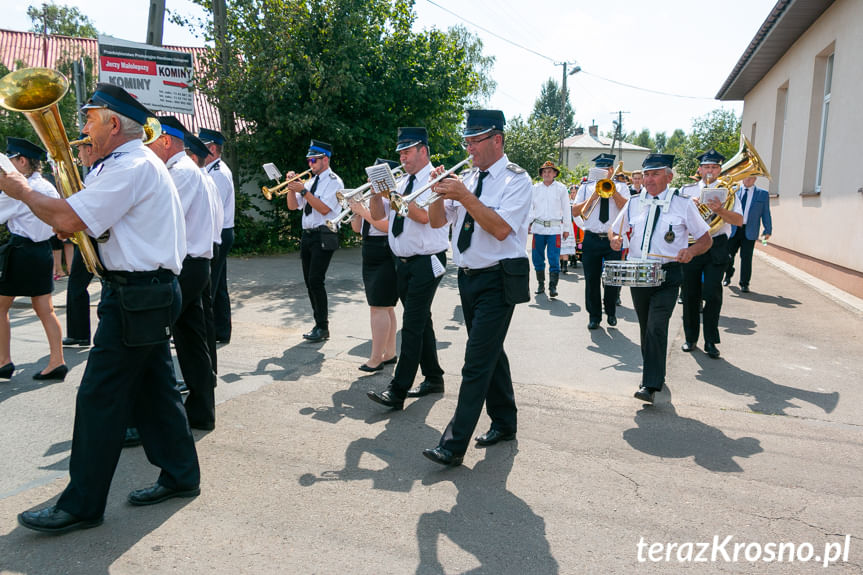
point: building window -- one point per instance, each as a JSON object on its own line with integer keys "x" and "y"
{"x": 825, "y": 110}
{"x": 779, "y": 123}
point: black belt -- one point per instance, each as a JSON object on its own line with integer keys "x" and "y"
{"x": 670, "y": 265}
{"x": 412, "y": 258}
{"x": 589, "y": 233}
{"x": 475, "y": 271}
{"x": 17, "y": 240}
{"x": 196, "y": 259}
{"x": 161, "y": 275}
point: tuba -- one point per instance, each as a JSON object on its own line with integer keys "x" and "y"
{"x": 745, "y": 163}
{"x": 35, "y": 92}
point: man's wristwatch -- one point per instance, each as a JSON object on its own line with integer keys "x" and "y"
{"x": 303, "y": 193}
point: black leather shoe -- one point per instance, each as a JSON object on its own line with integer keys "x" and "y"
{"x": 493, "y": 436}
{"x": 70, "y": 341}
{"x": 56, "y": 374}
{"x": 7, "y": 370}
{"x": 687, "y": 346}
{"x": 157, "y": 493}
{"x": 593, "y": 325}
{"x": 612, "y": 320}
{"x": 711, "y": 350}
{"x": 644, "y": 394}
{"x": 388, "y": 398}
{"x": 726, "y": 282}
{"x": 744, "y": 289}
{"x": 392, "y": 360}
{"x": 317, "y": 334}
{"x": 365, "y": 367}
{"x": 425, "y": 388}
{"x": 133, "y": 438}
{"x": 443, "y": 456}
{"x": 53, "y": 520}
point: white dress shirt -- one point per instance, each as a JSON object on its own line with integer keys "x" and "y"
{"x": 328, "y": 184}
{"x": 593, "y": 224}
{"x": 506, "y": 190}
{"x": 134, "y": 196}
{"x": 416, "y": 239}
{"x": 550, "y": 204}
{"x": 20, "y": 220}
{"x": 195, "y": 198}
{"x": 217, "y": 210}
{"x": 224, "y": 179}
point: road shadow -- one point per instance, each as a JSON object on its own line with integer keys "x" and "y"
{"x": 737, "y": 325}
{"x": 555, "y": 307}
{"x": 92, "y": 551}
{"x": 777, "y": 300}
{"x": 398, "y": 445}
{"x": 662, "y": 433}
{"x": 489, "y": 522}
{"x": 770, "y": 398}
{"x": 22, "y": 380}
{"x": 612, "y": 343}
{"x": 302, "y": 360}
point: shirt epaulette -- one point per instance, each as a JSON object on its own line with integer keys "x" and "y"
{"x": 333, "y": 176}
{"x": 515, "y": 168}
{"x": 215, "y": 166}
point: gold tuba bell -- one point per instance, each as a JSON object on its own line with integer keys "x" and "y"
{"x": 35, "y": 92}
{"x": 604, "y": 189}
{"x": 745, "y": 163}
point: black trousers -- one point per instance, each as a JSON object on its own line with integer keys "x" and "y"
{"x": 596, "y": 249}
{"x": 702, "y": 280}
{"x": 209, "y": 318}
{"x": 316, "y": 261}
{"x": 190, "y": 341}
{"x": 219, "y": 286}
{"x": 78, "y": 299}
{"x": 653, "y": 306}
{"x": 747, "y": 247}
{"x": 121, "y": 383}
{"x": 485, "y": 376}
{"x": 417, "y": 287}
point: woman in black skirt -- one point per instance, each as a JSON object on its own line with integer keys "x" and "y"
{"x": 29, "y": 263}
{"x": 379, "y": 279}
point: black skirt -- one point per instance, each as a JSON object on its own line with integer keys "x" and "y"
{"x": 379, "y": 272}
{"x": 29, "y": 268}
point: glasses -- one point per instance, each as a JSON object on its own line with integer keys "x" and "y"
{"x": 466, "y": 144}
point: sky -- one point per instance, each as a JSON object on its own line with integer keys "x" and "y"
{"x": 682, "y": 48}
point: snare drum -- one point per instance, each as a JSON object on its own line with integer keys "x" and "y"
{"x": 632, "y": 273}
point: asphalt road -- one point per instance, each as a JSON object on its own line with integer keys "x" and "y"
{"x": 303, "y": 474}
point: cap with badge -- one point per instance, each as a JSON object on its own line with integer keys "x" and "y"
{"x": 657, "y": 162}
{"x": 391, "y": 163}
{"x": 118, "y": 100}
{"x": 196, "y": 146}
{"x": 211, "y": 137}
{"x": 20, "y": 147}
{"x": 711, "y": 156}
{"x": 319, "y": 149}
{"x": 604, "y": 160}
{"x": 481, "y": 122}
{"x": 173, "y": 127}
{"x": 549, "y": 165}
{"x": 410, "y": 137}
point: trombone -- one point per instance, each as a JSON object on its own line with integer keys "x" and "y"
{"x": 281, "y": 189}
{"x": 604, "y": 188}
{"x": 401, "y": 203}
{"x": 346, "y": 214}
{"x": 346, "y": 196}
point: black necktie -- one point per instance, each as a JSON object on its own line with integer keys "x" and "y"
{"x": 366, "y": 228}
{"x": 466, "y": 231}
{"x": 399, "y": 221}
{"x": 603, "y": 210}
{"x": 743, "y": 198}
{"x": 308, "y": 209}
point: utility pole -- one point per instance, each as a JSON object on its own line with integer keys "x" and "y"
{"x": 618, "y": 134}
{"x": 226, "y": 115}
{"x": 564, "y": 98}
{"x": 156, "y": 22}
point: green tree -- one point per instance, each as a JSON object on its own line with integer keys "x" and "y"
{"x": 719, "y": 129}
{"x": 549, "y": 105}
{"x": 533, "y": 142}
{"x": 348, "y": 72}
{"x": 642, "y": 139}
{"x": 60, "y": 20}
{"x": 660, "y": 141}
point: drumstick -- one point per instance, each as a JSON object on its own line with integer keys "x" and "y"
{"x": 662, "y": 256}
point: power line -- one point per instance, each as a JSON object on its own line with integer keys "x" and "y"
{"x": 550, "y": 59}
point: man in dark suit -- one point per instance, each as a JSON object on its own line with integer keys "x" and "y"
{"x": 756, "y": 211}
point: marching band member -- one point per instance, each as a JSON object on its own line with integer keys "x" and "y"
{"x": 549, "y": 218}
{"x": 660, "y": 222}
{"x": 317, "y": 198}
{"x": 190, "y": 327}
{"x": 224, "y": 180}
{"x": 596, "y": 248}
{"x": 420, "y": 252}
{"x": 702, "y": 277}
{"x": 128, "y": 373}
{"x": 489, "y": 212}
{"x": 637, "y": 185}
{"x": 29, "y": 262}
{"x": 379, "y": 281}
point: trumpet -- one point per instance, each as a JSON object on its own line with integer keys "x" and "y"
{"x": 281, "y": 189}
{"x": 604, "y": 188}
{"x": 401, "y": 203}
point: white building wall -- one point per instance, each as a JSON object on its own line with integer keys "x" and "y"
{"x": 828, "y": 226}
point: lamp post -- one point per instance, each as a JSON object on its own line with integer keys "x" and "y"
{"x": 563, "y": 99}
